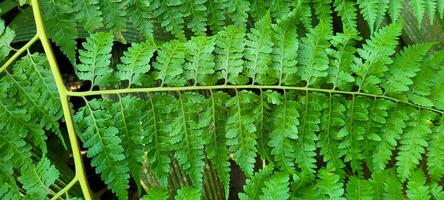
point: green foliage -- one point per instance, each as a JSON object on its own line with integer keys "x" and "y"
{"x": 37, "y": 179}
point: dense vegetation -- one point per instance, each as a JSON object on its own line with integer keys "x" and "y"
{"x": 310, "y": 99}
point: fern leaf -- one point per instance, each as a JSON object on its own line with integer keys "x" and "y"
{"x": 435, "y": 155}
{"x": 284, "y": 54}
{"x": 276, "y": 188}
{"x": 405, "y": 66}
{"x": 331, "y": 123}
{"x": 352, "y": 134}
{"x": 430, "y": 7}
{"x": 283, "y": 138}
{"x": 158, "y": 143}
{"x": 229, "y": 50}
{"x": 36, "y": 180}
{"x": 95, "y": 58}
{"x": 343, "y": 54}
{"x": 196, "y": 11}
{"x": 359, "y": 189}
{"x": 88, "y": 14}
{"x": 135, "y": 62}
{"x": 139, "y": 14}
{"x": 6, "y": 37}
{"x": 313, "y": 57}
{"x": 369, "y": 10}
{"x": 170, "y": 16}
{"x": 59, "y": 18}
{"x": 279, "y": 9}
{"x": 171, "y": 56}
{"x": 310, "y": 111}
{"x": 440, "y": 8}
{"x": 114, "y": 13}
{"x": 253, "y": 185}
{"x": 155, "y": 194}
{"x": 216, "y": 14}
{"x": 418, "y": 8}
{"x": 200, "y": 65}
{"x": 238, "y": 12}
{"x": 391, "y": 133}
{"x": 436, "y": 191}
{"x": 99, "y": 135}
{"x": 437, "y": 96}
{"x": 329, "y": 185}
{"x": 323, "y": 12}
{"x": 392, "y": 186}
{"x": 394, "y": 9}
{"x": 9, "y": 192}
{"x": 186, "y": 136}
{"x": 347, "y": 11}
{"x": 217, "y": 153}
{"x": 257, "y": 53}
{"x": 376, "y": 55}
{"x": 416, "y": 187}
{"x": 413, "y": 143}
{"x": 187, "y": 193}
{"x": 241, "y": 130}
{"x": 128, "y": 118}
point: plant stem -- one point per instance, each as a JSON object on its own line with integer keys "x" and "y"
{"x": 216, "y": 87}
{"x": 80, "y": 171}
{"x": 18, "y": 53}
{"x": 65, "y": 189}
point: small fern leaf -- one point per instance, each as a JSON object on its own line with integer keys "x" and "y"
{"x": 276, "y": 188}
{"x": 95, "y": 58}
{"x": 418, "y": 8}
{"x": 114, "y": 13}
{"x": 200, "y": 65}
{"x": 253, "y": 185}
{"x": 284, "y": 54}
{"x": 259, "y": 45}
{"x": 392, "y": 187}
{"x": 155, "y": 194}
{"x": 171, "y": 56}
{"x": 88, "y": 14}
{"x": 238, "y": 12}
{"x": 369, "y": 10}
{"x": 99, "y": 135}
{"x": 188, "y": 193}
{"x": 196, "y": 11}
{"x": 241, "y": 130}
{"x": 216, "y": 14}
{"x": 435, "y": 155}
{"x": 413, "y": 143}
{"x": 37, "y": 179}
{"x": 394, "y": 9}
{"x": 135, "y": 62}
{"x": 6, "y": 37}
{"x": 229, "y": 50}
{"x": 139, "y": 14}
{"x": 329, "y": 185}
{"x": 416, "y": 186}
{"x": 9, "y": 192}
{"x": 346, "y": 9}
{"x": 359, "y": 189}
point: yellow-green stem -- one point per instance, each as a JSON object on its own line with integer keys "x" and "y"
{"x": 80, "y": 171}
{"x": 65, "y": 189}
{"x": 221, "y": 87}
{"x": 18, "y": 53}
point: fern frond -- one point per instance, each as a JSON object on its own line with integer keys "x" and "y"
{"x": 139, "y": 14}
{"x": 196, "y": 11}
{"x": 9, "y": 192}
{"x": 369, "y": 10}
{"x": 230, "y": 46}
{"x": 405, "y": 66}
{"x": 279, "y": 8}
{"x": 359, "y": 189}
{"x": 6, "y": 37}
{"x": 392, "y": 186}
{"x": 215, "y": 152}
{"x": 114, "y": 13}
{"x": 201, "y": 64}
{"x": 238, "y": 12}
{"x": 331, "y": 124}
{"x": 170, "y": 16}
{"x": 347, "y": 11}
{"x": 394, "y": 9}
{"x": 329, "y": 185}
{"x": 418, "y": 7}
{"x": 98, "y": 134}
{"x": 376, "y": 56}
{"x": 284, "y": 54}
{"x": 437, "y": 96}
{"x": 135, "y": 62}
{"x": 413, "y": 143}
{"x": 435, "y": 153}
{"x": 310, "y": 112}
{"x": 241, "y": 129}
{"x": 276, "y": 188}
{"x": 59, "y": 18}
{"x": 88, "y": 14}
{"x": 37, "y": 179}
{"x": 188, "y": 193}
{"x": 170, "y": 58}
{"x": 155, "y": 194}
{"x": 216, "y": 14}
{"x": 252, "y": 188}
{"x": 257, "y": 53}
{"x": 284, "y": 133}
{"x": 416, "y": 187}
{"x": 313, "y": 57}
{"x": 95, "y": 58}
{"x": 186, "y": 135}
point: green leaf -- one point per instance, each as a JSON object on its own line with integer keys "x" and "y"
{"x": 276, "y": 188}
{"x": 6, "y": 37}
{"x": 359, "y": 189}
{"x": 155, "y": 194}
{"x": 329, "y": 185}
{"x": 88, "y": 14}
{"x": 252, "y": 188}
{"x": 200, "y": 65}
{"x": 170, "y": 58}
{"x": 36, "y": 180}
{"x": 188, "y": 193}
{"x": 417, "y": 188}
{"x": 435, "y": 153}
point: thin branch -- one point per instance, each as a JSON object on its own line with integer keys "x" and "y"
{"x": 18, "y": 53}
